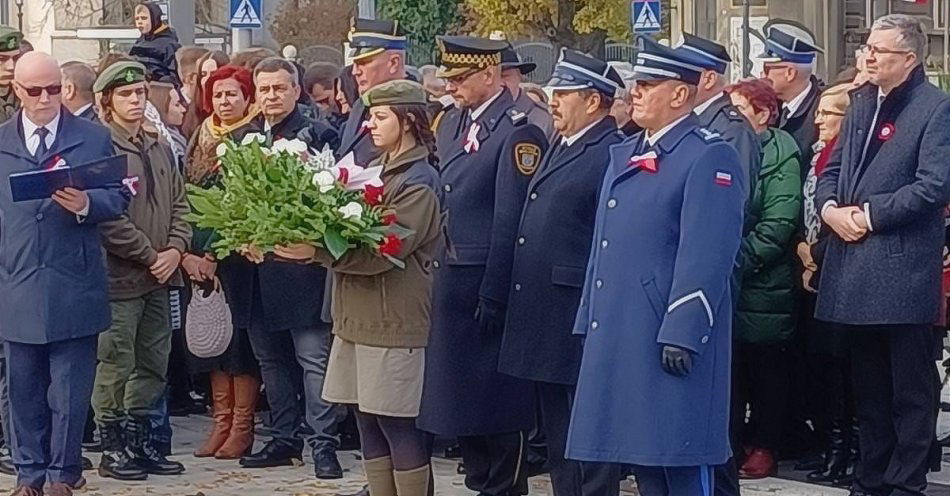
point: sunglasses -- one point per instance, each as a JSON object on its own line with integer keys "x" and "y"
{"x": 51, "y": 90}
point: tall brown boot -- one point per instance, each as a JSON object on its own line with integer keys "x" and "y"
{"x": 413, "y": 482}
{"x": 379, "y": 474}
{"x": 241, "y": 439}
{"x": 223, "y": 399}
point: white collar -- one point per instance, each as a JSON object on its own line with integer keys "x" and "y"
{"x": 568, "y": 141}
{"x": 651, "y": 140}
{"x": 29, "y": 128}
{"x": 796, "y": 102}
{"x": 484, "y": 106}
{"x": 82, "y": 109}
{"x": 705, "y": 105}
{"x": 267, "y": 126}
{"x": 880, "y": 95}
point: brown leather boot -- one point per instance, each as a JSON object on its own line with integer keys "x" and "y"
{"x": 241, "y": 439}
{"x": 223, "y": 398}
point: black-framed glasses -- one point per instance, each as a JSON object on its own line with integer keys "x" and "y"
{"x": 35, "y": 91}
{"x": 876, "y": 50}
{"x": 461, "y": 78}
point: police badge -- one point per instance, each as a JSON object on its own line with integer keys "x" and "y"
{"x": 527, "y": 157}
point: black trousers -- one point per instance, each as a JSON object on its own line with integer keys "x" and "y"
{"x": 893, "y": 374}
{"x": 495, "y": 464}
{"x": 762, "y": 383}
{"x": 571, "y": 477}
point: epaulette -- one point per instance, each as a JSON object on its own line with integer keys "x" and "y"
{"x": 706, "y": 134}
{"x": 733, "y": 114}
{"x": 517, "y": 117}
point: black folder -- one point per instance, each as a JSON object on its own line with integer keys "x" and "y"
{"x": 41, "y": 184}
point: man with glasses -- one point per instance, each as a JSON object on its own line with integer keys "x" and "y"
{"x": 883, "y": 195}
{"x": 488, "y": 153}
{"x": 789, "y": 62}
{"x": 55, "y": 293}
{"x": 280, "y": 304}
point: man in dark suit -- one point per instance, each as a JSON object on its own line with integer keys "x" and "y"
{"x": 78, "y": 79}
{"x": 548, "y": 273}
{"x": 378, "y": 50}
{"x": 488, "y": 153}
{"x": 883, "y": 194}
{"x": 286, "y": 331}
{"x": 53, "y": 280}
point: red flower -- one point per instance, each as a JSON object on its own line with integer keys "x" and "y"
{"x": 373, "y": 195}
{"x": 389, "y": 219}
{"x": 391, "y": 245}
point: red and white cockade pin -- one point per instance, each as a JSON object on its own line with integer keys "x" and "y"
{"x": 647, "y": 162}
{"x": 887, "y": 132}
{"x": 132, "y": 184}
{"x": 364, "y": 126}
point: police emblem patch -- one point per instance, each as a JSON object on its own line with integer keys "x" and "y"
{"x": 527, "y": 158}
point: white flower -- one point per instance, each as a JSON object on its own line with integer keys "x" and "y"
{"x": 252, "y": 137}
{"x": 351, "y": 210}
{"x": 324, "y": 180}
{"x": 294, "y": 147}
{"x": 321, "y": 160}
{"x": 356, "y": 178}
{"x": 221, "y": 150}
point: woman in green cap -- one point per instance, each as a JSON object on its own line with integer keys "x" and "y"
{"x": 381, "y": 312}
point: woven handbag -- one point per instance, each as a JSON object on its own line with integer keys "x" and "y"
{"x": 208, "y": 327}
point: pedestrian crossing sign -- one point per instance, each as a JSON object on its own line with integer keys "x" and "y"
{"x": 645, "y": 16}
{"x": 246, "y": 14}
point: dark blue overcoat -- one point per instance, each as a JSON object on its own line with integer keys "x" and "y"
{"x": 483, "y": 192}
{"x": 52, "y": 267}
{"x": 664, "y": 247}
{"x": 722, "y": 117}
{"x": 891, "y": 276}
{"x": 355, "y": 138}
{"x": 548, "y": 271}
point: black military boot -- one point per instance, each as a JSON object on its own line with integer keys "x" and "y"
{"x": 116, "y": 462}
{"x": 836, "y": 458}
{"x": 143, "y": 451}
{"x": 848, "y": 475}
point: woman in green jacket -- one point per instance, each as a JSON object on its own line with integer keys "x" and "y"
{"x": 765, "y": 313}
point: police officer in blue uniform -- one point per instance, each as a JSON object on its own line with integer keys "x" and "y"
{"x": 714, "y": 110}
{"x": 656, "y": 308}
{"x": 548, "y": 270}
{"x": 488, "y": 153}
{"x": 513, "y": 70}
{"x": 378, "y": 50}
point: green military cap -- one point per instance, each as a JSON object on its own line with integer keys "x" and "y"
{"x": 398, "y": 92}
{"x": 122, "y": 73}
{"x": 9, "y": 39}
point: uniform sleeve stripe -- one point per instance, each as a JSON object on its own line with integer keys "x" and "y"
{"x": 702, "y": 297}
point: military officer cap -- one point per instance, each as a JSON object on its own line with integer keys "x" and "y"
{"x": 10, "y": 39}
{"x": 578, "y": 71}
{"x": 510, "y": 59}
{"x": 122, "y": 73}
{"x": 369, "y": 37}
{"x": 656, "y": 62}
{"x": 398, "y": 92}
{"x": 712, "y": 55}
{"x": 787, "y": 41}
{"x": 463, "y": 54}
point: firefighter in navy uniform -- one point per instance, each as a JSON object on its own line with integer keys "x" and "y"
{"x": 488, "y": 153}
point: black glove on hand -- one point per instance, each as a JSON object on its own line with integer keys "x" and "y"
{"x": 677, "y": 361}
{"x": 490, "y": 315}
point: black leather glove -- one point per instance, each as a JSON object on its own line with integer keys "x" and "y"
{"x": 677, "y": 361}
{"x": 490, "y": 315}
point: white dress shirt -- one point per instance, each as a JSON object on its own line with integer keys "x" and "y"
{"x": 568, "y": 141}
{"x": 793, "y": 105}
{"x": 82, "y": 109}
{"x": 705, "y": 105}
{"x": 484, "y": 106}
{"x": 33, "y": 139}
{"x": 652, "y": 139}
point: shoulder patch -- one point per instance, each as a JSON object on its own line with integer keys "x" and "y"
{"x": 517, "y": 117}
{"x": 527, "y": 157}
{"x": 707, "y": 134}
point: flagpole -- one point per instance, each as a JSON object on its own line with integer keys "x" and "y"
{"x": 746, "y": 65}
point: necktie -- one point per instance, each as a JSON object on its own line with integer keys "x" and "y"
{"x": 42, "y": 150}
{"x": 783, "y": 117}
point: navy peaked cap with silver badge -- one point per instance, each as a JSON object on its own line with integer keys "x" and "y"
{"x": 656, "y": 62}
{"x": 579, "y": 71}
{"x": 787, "y": 41}
{"x": 369, "y": 37}
{"x": 712, "y": 55}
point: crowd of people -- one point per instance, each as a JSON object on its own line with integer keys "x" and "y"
{"x": 638, "y": 269}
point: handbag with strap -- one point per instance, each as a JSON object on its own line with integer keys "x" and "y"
{"x": 208, "y": 326}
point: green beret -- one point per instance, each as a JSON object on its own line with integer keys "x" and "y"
{"x": 9, "y": 39}
{"x": 121, "y": 73}
{"x": 398, "y": 92}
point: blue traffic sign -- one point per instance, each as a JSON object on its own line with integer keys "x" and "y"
{"x": 246, "y": 14}
{"x": 645, "y": 16}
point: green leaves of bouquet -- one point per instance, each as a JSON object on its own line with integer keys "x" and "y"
{"x": 283, "y": 194}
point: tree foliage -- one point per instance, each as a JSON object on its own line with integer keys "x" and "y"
{"x": 306, "y": 23}
{"x": 423, "y": 20}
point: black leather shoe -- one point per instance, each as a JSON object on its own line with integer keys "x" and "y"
{"x": 86, "y": 464}
{"x": 326, "y": 465}
{"x": 116, "y": 463}
{"x": 275, "y": 453}
{"x": 144, "y": 453}
{"x": 810, "y": 463}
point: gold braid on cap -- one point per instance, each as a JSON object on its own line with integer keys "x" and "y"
{"x": 478, "y": 60}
